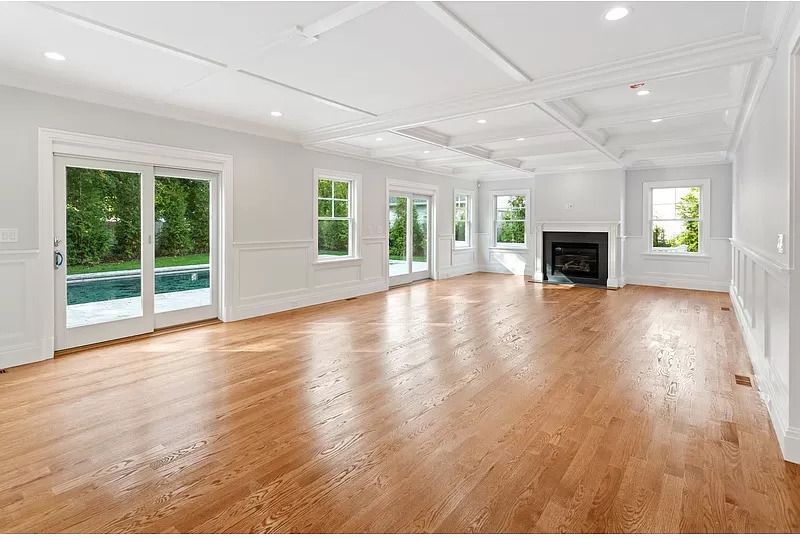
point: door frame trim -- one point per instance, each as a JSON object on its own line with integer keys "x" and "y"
{"x": 416, "y": 188}
{"x": 53, "y": 141}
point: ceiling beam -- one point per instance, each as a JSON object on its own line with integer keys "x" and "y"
{"x": 658, "y": 137}
{"x": 573, "y": 119}
{"x": 338, "y": 18}
{"x": 755, "y": 86}
{"x": 456, "y": 26}
{"x": 681, "y": 61}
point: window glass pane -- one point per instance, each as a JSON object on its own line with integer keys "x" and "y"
{"x": 510, "y": 232}
{"x": 679, "y": 236}
{"x": 325, "y": 188}
{"x": 340, "y": 190}
{"x": 333, "y": 237}
{"x": 512, "y": 203}
{"x": 398, "y": 213}
{"x": 340, "y": 208}
{"x": 664, "y": 211}
{"x": 461, "y": 231}
{"x": 664, "y": 196}
{"x": 325, "y": 208}
{"x": 460, "y": 214}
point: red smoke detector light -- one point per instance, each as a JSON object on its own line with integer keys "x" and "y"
{"x": 637, "y": 85}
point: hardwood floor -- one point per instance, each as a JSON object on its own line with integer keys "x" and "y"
{"x": 481, "y": 403}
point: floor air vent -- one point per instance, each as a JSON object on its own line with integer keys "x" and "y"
{"x": 725, "y": 308}
{"x": 743, "y": 380}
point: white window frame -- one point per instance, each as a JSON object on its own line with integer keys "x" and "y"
{"x": 526, "y": 194}
{"x": 467, "y": 243}
{"x": 354, "y": 214}
{"x": 704, "y": 220}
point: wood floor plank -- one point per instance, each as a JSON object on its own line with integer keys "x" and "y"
{"x": 477, "y": 404}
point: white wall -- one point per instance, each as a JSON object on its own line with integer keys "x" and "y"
{"x": 272, "y": 217}
{"x": 712, "y": 272}
{"x": 765, "y": 284}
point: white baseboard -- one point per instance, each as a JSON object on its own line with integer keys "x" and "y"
{"x": 499, "y": 269}
{"x": 458, "y": 270}
{"x": 293, "y": 300}
{"x": 673, "y": 282}
{"x": 768, "y": 385}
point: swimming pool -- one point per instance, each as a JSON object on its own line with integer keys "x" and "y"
{"x": 88, "y": 288}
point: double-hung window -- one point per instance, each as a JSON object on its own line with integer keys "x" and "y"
{"x": 462, "y": 220}
{"x": 510, "y": 217}
{"x": 676, "y": 212}
{"x": 335, "y": 217}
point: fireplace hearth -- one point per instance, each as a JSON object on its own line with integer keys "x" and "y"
{"x": 576, "y": 257}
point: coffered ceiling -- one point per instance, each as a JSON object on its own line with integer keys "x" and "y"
{"x": 480, "y": 90}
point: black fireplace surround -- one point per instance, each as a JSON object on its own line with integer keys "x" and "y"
{"x": 575, "y": 257}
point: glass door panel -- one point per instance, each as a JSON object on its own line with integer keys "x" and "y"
{"x": 182, "y": 243}
{"x": 102, "y": 267}
{"x": 419, "y": 235}
{"x": 398, "y": 236}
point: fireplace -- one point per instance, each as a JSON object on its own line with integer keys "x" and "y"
{"x": 576, "y": 257}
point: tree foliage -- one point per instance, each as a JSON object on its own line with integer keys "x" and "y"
{"x": 104, "y": 216}
{"x": 688, "y": 210}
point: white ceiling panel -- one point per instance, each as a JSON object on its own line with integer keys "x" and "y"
{"x": 527, "y": 117}
{"x": 719, "y": 82}
{"x": 96, "y": 59}
{"x": 567, "y": 137}
{"x": 385, "y": 140}
{"x": 255, "y": 100}
{"x": 546, "y": 38}
{"x": 222, "y": 31}
{"x": 392, "y": 58}
{"x": 714, "y": 122}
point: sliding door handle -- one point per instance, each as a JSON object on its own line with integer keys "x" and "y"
{"x": 58, "y": 259}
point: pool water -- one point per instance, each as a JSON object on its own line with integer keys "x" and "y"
{"x": 101, "y": 289}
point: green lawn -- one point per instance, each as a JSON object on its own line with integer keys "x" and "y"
{"x": 161, "y": 262}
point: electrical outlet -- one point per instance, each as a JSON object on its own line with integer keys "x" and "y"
{"x": 780, "y": 243}
{"x": 569, "y": 206}
{"x": 9, "y": 236}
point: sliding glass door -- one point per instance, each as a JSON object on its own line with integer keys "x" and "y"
{"x": 134, "y": 249}
{"x": 409, "y": 237}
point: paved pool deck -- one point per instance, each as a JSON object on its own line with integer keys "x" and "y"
{"x": 126, "y": 308}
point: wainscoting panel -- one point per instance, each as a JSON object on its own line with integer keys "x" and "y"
{"x": 455, "y": 262}
{"x": 376, "y": 255}
{"x": 759, "y": 292}
{"x": 268, "y": 268}
{"x": 19, "y": 339}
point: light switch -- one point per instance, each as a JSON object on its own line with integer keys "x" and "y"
{"x": 780, "y": 243}
{"x": 9, "y": 236}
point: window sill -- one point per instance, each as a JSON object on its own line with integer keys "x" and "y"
{"x": 338, "y": 261}
{"x": 463, "y": 248}
{"x": 677, "y": 255}
{"x": 509, "y": 247}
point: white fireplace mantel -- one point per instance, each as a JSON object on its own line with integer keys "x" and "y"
{"x": 614, "y": 247}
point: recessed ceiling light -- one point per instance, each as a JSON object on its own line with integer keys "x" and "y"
{"x": 379, "y": 139}
{"x": 276, "y": 114}
{"x": 52, "y": 55}
{"x": 656, "y": 120}
{"x": 616, "y": 13}
{"x": 426, "y": 151}
{"x": 482, "y": 121}
{"x": 643, "y": 93}
{"x": 520, "y": 138}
